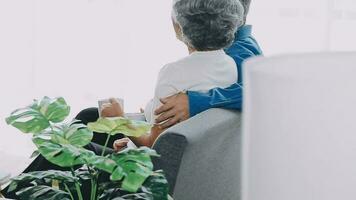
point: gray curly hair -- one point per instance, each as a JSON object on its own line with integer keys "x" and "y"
{"x": 208, "y": 24}
{"x": 246, "y": 5}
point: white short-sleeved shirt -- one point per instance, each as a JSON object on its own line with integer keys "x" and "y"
{"x": 200, "y": 71}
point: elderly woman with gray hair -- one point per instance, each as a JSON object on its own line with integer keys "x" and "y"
{"x": 206, "y": 27}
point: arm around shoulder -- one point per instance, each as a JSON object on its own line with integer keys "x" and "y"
{"x": 228, "y": 98}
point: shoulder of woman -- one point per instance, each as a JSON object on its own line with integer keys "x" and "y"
{"x": 171, "y": 70}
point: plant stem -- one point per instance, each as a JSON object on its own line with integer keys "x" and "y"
{"x": 77, "y": 187}
{"x": 68, "y": 190}
{"x": 93, "y": 181}
{"x": 106, "y": 144}
{"x": 97, "y": 184}
{"x": 93, "y": 189}
{"x": 92, "y": 195}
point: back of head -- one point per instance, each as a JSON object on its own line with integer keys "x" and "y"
{"x": 208, "y": 24}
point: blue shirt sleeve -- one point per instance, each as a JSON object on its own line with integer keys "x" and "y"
{"x": 229, "y": 98}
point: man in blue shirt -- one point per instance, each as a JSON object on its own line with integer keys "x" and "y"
{"x": 180, "y": 107}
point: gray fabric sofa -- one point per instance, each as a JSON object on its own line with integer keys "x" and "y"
{"x": 201, "y": 156}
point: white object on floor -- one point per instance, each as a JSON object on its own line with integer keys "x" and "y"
{"x": 299, "y": 138}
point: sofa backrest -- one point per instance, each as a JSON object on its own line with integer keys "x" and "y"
{"x": 201, "y": 156}
{"x": 299, "y": 136}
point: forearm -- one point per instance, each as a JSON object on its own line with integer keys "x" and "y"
{"x": 149, "y": 138}
{"x": 229, "y": 98}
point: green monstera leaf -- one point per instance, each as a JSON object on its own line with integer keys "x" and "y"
{"x": 37, "y": 117}
{"x": 62, "y": 145}
{"x": 28, "y": 120}
{"x": 75, "y": 134}
{"x": 116, "y": 125}
{"x": 103, "y": 163}
{"x": 154, "y": 188}
{"x": 63, "y": 155}
{"x": 40, "y": 176}
{"x": 136, "y": 165}
{"x": 42, "y": 192}
{"x": 131, "y": 166}
{"x": 55, "y": 110}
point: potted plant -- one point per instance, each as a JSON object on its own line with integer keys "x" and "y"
{"x": 130, "y": 171}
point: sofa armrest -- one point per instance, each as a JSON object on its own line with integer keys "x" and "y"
{"x": 200, "y": 155}
{"x": 170, "y": 147}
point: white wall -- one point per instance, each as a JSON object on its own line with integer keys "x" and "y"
{"x": 285, "y": 26}
{"x": 84, "y": 50}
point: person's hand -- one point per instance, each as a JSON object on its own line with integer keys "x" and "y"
{"x": 120, "y": 144}
{"x": 174, "y": 109}
{"x": 112, "y": 109}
